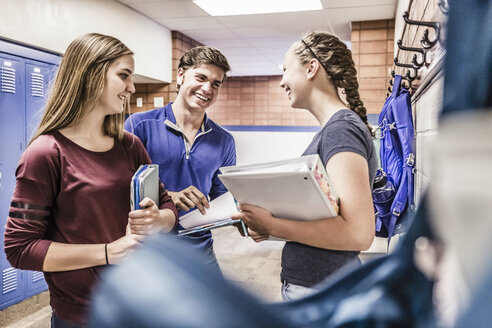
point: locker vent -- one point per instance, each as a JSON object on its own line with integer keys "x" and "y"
{"x": 37, "y": 276}
{"x": 37, "y": 85}
{"x": 9, "y": 280}
{"x": 7, "y": 78}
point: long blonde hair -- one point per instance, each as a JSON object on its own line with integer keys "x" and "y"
{"x": 79, "y": 83}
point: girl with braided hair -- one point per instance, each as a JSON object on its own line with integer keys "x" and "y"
{"x": 315, "y": 70}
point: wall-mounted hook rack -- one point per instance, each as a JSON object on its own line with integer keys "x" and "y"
{"x": 421, "y": 51}
{"x": 426, "y": 43}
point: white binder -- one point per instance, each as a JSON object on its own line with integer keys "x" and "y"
{"x": 296, "y": 189}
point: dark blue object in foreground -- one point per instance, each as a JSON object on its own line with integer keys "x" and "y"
{"x": 166, "y": 283}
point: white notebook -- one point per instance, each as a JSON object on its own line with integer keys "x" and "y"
{"x": 216, "y": 216}
{"x": 296, "y": 189}
{"x": 220, "y": 209}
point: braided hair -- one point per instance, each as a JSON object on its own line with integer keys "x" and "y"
{"x": 337, "y": 61}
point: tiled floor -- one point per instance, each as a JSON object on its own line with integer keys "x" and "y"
{"x": 253, "y": 266}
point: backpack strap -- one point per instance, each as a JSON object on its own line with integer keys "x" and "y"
{"x": 396, "y": 86}
{"x": 398, "y": 205}
{"x": 379, "y": 222}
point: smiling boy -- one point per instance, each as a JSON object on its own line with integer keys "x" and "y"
{"x": 188, "y": 146}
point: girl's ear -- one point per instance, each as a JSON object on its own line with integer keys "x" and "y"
{"x": 312, "y": 68}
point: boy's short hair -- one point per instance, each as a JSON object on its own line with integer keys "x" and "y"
{"x": 204, "y": 55}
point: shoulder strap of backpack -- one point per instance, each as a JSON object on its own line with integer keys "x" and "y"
{"x": 396, "y": 86}
{"x": 385, "y": 116}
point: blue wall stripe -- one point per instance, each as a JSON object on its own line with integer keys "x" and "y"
{"x": 271, "y": 128}
{"x": 372, "y": 118}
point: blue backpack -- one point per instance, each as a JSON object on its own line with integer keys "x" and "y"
{"x": 393, "y": 185}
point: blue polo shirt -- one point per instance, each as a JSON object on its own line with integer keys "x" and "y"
{"x": 182, "y": 163}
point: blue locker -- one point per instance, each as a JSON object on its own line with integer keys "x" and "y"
{"x": 12, "y": 113}
{"x": 37, "y": 79}
{"x": 24, "y": 78}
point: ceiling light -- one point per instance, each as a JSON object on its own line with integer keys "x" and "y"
{"x": 249, "y": 7}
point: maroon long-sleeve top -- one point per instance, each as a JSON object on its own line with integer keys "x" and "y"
{"x": 68, "y": 194}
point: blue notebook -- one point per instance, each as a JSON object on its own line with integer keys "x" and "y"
{"x": 145, "y": 183}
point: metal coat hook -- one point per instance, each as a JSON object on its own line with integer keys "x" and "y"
{"x": 406, "y": 86}
{"x": 443, "y": 5}
{"x": 389, "y": 88}
{"x": 409, "y": 76}
{"x": 415, "y": 62}
{"x": 426, "y": 43}
{"x": 398, "y": 64}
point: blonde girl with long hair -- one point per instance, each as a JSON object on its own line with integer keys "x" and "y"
{"x": 70, "y": 212}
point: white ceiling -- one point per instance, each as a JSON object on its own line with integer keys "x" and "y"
{"x": 256, "y": 44}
